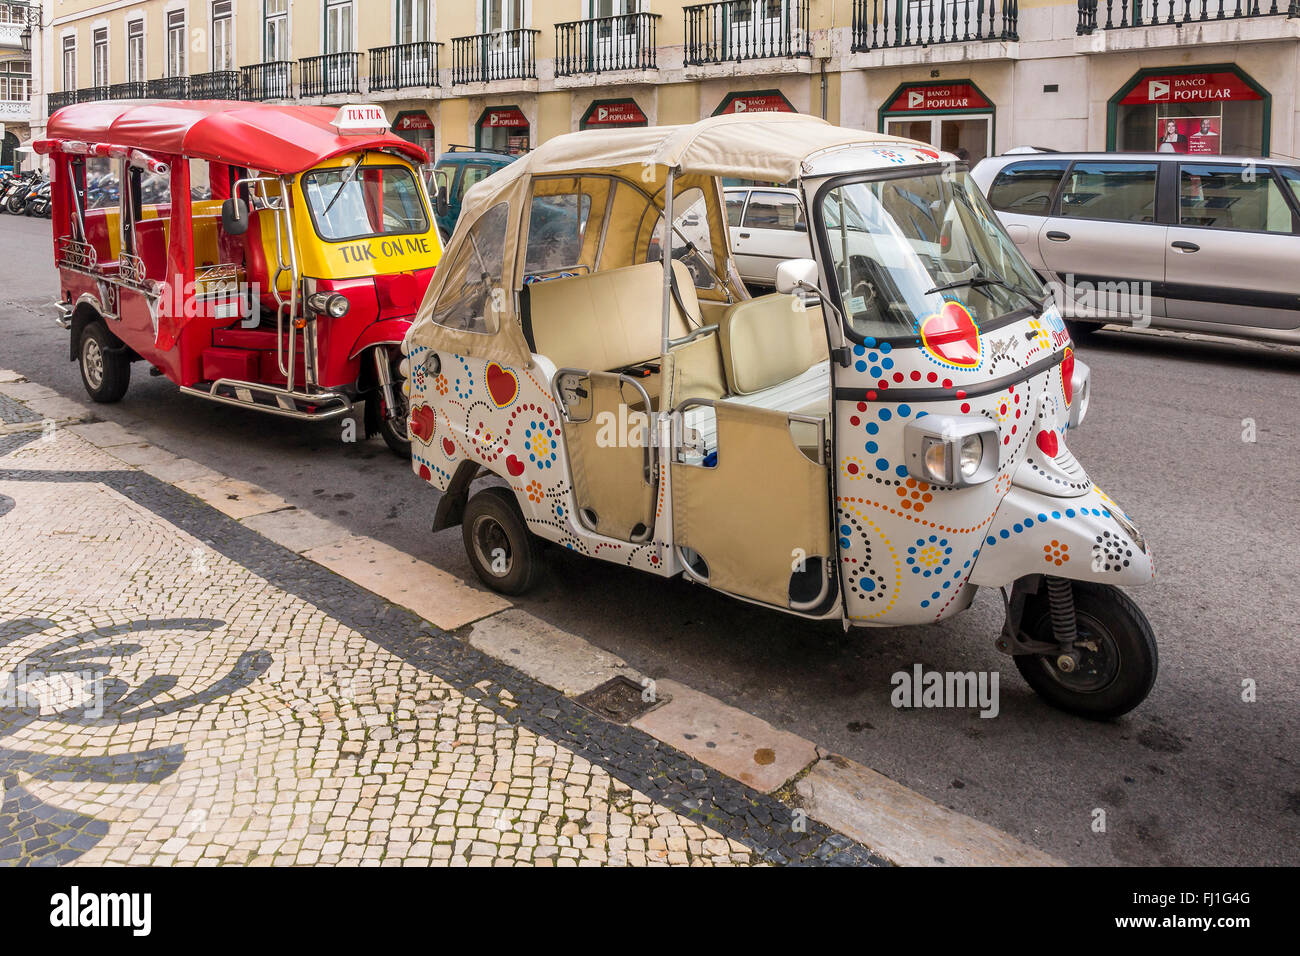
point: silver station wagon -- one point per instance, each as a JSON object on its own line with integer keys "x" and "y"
{"x": 1200, "y": 243}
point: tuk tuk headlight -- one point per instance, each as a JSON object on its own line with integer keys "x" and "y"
{"x": 333, "y": 304}
{"x": 951, "y": 450}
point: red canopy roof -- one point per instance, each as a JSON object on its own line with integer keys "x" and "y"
{"x": 276, "y": 139}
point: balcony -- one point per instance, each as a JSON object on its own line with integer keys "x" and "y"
{"x": 606, "y": 44}
{"x": 56, "y": 101}
{"x": 267, "y": 81}
{"x": 486, "y": 57}
{"x": 332, "y": 74}
{"x": 130, "y": 90}
{"x": 218, "y": 85}
{"x": 403, "y": 66}
{"x": 736, "y": 30}
{"x": 15, "y": 111}
{"x": 881, "y": 24}
{"x": 92, "y": 94}
{"x": 168, "y": 88}
{"x": 1118, "y": 14}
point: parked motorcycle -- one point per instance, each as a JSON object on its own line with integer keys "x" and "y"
{"x": 15, "y": 201}
{"x": 38, "y": 202}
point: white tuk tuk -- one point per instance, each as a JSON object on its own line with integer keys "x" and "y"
{"x": 871, "y": 443}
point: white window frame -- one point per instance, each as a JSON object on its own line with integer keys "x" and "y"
{"x": 233, "y": 32}
{"x": 66, "y": 48}
{"x": 169, "y": 65}
{"x": 426, "y": 33}
{"x": 143, "y": 74}
{"x": 286, "y": 32}
{"x": 325, "y": 35}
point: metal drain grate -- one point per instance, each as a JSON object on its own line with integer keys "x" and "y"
{"x": 618, "y": 699}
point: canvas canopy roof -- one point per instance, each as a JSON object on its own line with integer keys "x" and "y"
{"x": 283, "y": 140}
{"x": 765, "y": 147}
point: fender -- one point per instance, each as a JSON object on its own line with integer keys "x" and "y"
{"x": 387, "y": 332}
{"x": 1083, "y": 538}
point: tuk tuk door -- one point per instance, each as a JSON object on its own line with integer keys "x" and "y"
{"x": 751, "y": 505}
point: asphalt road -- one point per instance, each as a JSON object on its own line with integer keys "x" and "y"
{"x": 1194, "y": 776}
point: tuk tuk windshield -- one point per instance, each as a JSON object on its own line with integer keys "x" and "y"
{"x": 900, "y": 247}
{"x": 352, "y": 203}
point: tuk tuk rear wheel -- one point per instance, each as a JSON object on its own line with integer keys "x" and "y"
{"x": 505, "y": 555}
{"x": 105, "y": 369}
{"x": 396, "y": 431}
{"x": 1117, "y": 658}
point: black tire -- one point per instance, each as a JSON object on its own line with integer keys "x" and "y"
{"x": 1081, "y": 331}
{"x": 16, "y": 205}
{"x": 503, "y": 552}
{"x": 105, "y": 368}
{"x": 1119, "y": 664}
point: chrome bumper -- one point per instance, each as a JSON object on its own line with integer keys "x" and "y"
{"x": 63, "y": 315}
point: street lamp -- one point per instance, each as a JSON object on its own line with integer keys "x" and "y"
{"x": 26, "y": 38}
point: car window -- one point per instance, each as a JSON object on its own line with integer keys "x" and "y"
{"x": 1292, "y": 178}
{"x": 735, "y": 206}
{"x": 472, "y": 174}
{"x": 1027, "y": 187}
{"x": 1231, "y": 196}
{"x": 1119, "y": 192}
{"x": 380, "y": 200}
{"x": 769, "y": 210}
{"x": 472, "y": 295}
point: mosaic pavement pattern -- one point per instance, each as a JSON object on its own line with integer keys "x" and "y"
{"x": 175, "y": 689}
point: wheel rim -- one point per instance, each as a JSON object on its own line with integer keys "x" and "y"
{"x": 490, "y": 539}
{"x": 92, "y": 362}
{"x": 1098, "y": 663}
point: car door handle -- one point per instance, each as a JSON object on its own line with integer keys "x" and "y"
{"x": 1185, "y": 246}
{"x": 743, "y": 235}
{"x": 1058, "y": 236}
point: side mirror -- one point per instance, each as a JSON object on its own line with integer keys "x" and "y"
{"x": 440, "y": 201}
{"x": 796, "y": 274}
{"x": 234, "y": 217}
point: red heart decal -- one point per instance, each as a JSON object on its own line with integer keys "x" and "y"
{"x": 514, "y": 466}
{"x": 449, "y": 447}
{"x": 1047, "y": 443}
{"x": 1067, "y": 376}
{"x": 952, "y": 336}
{"x": 425, "y": 473}
{"x": 501, "y": 384}
{"x": 422, "y": 420}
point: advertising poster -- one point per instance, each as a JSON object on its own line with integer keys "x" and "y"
{"x": 1188, "y": 134}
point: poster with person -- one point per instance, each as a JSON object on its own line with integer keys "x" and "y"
{"x": 1188, "y": 134}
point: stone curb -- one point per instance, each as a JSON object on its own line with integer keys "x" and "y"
{"x": 899, "y": 824}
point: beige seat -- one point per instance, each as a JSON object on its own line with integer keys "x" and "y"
{"x": 769, "y": 340}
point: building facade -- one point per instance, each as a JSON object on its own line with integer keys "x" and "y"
{"x": 979, "y": 76}
{"x": 16, "y": 22}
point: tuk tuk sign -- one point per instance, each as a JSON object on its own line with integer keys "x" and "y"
{"x": 361, "y": 120}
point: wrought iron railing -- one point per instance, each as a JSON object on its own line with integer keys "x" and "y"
{"x": 267, "y": 81}
{"x": 878, "y": 24}
{"x": 169, "y": 88}
{"x": 130, "y": 90}
{"x": 218, "y": 85}
{"x": 329, "y": 74}
{"x": 746, "y": 30}
{"x": 404, "y": 65}
{"x": 92, "y": 94}
{"x": 503, "y": 55}
{"x": 602, "y": 44}
{"x": 1118, "y": 14}
{"x": 56, "y": 101}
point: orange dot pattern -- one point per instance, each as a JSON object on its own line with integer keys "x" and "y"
{"x": 1056, "y": 553}
{"x": 915, "y": 494}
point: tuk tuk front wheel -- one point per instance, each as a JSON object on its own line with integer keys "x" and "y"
{"x": 504, "y": 553}
{"x": 105, "y": 369}
{"x": 1116, "y": 660}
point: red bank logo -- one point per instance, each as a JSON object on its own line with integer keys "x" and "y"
{"x": 915, "y": 99}
{"x": 1158, "y": 90}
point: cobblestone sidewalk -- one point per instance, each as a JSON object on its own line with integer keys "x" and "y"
{"x": 175, "y": 689}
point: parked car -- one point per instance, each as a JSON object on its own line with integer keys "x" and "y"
{"x": 1200, "y": 243}
{"x": 767, "y": 227}
{"x": 456, "y": 170}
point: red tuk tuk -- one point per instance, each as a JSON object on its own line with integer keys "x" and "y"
{"x": 267, "y": 257}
